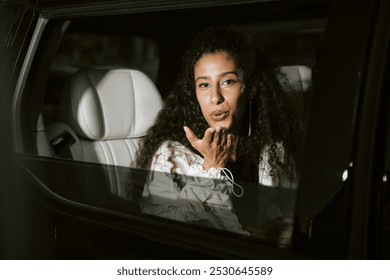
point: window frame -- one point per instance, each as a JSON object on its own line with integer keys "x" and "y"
{"x": 355, "y": 241}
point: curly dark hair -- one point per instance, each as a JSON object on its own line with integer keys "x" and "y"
{"x": 273, "y": 118}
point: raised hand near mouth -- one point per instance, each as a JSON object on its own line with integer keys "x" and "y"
{"x": 216, "y": 146}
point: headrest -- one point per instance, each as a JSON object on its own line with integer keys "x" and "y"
{"x": 110, "y": 104}
{"x": 299, "y": 76}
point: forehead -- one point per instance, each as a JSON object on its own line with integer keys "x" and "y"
{"x": 214, "y": 61}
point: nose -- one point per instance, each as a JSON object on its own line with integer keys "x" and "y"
{"x": 216, "y": 97}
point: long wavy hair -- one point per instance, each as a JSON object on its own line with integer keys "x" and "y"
{"x": 273, "y": 118}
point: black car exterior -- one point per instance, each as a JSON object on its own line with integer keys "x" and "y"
{"x": 342, "y": 207}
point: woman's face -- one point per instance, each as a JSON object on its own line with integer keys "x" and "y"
{"x": 220, "y": 91}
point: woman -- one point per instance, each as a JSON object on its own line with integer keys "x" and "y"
{"x": 227, "y": 118}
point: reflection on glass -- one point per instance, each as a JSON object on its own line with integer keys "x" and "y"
{"x": 195, "y": 200}
{"x": 261, "y": 212}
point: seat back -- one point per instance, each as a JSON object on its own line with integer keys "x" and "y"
{"x": 104, "y": 114}
{"x": 300, "y": 80}
{"x": 299, "y": 76}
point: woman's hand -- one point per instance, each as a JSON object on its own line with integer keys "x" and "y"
{"x": 216, "y": 146}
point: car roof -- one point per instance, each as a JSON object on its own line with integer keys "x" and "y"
{"x": 61, "y": 8}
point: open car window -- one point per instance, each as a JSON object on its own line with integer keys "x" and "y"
{"x": 97, "y": 175}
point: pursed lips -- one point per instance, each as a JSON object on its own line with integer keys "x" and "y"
{"x": 219, "y": 115}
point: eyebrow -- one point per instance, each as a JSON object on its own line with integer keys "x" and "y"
{"x": 222, "y": 75}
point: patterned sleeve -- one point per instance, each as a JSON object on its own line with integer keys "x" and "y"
{"x": 179, "y": 188}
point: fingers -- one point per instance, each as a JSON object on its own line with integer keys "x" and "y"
{"x": 213, "y": 136}
{"x": 229, "y": 141}
{"x": 190, "y": 135}
{"x": 220, "y": 136}
{"x": 209, "y": 135}
{"x": 207, "y": 138}
{"x": 216, "y": 146}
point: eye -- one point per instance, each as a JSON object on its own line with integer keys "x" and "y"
{"x": 204, "y": 85}
{"x": 229, "y": 82}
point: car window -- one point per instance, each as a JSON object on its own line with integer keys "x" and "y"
{"x": 110, "y": 43}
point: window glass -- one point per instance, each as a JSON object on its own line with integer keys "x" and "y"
{"x": 72, "y": 166}
{"x": 98, "y": 50}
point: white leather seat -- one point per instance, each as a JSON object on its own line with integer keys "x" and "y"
{"x": 299, "y": 76}
{"x": 300, "y": 80}
{"x": 104, "y": 114}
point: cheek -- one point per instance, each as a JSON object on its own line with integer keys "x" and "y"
{"x": 202, "y": 104}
